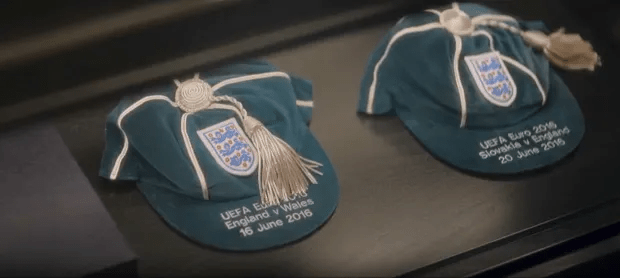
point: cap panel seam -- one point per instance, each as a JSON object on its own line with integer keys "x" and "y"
{"x": 433, "y": 11}
{"x": 458, "y": 45}
{"x": 251, "y": 77}
{"x": 121, "y": 156}
{"x": 486, "y": 34}
{"x": 485, "y": 17}
{"x": 398, "y": 35}
{"x": 304, "y": 103}
{"x": 528, "y": 72}
{"x": 192, "y": 157}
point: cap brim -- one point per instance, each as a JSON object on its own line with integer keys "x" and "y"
{"x": 244, "y": 225}
{"x": 543, "y": 139}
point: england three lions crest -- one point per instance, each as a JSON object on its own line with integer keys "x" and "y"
{"x": 492, "y": 78}
{"x": 230, "y": 147}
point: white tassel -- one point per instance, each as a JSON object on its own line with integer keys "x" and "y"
{"x": 282, "y": 172}
{"x": 568, "y": 51}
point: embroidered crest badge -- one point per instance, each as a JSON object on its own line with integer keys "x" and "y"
{"x": 230, "y": 147}
{"x": 492, "y": 78}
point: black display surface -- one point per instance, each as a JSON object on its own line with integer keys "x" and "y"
{"x": 401, "y": 210}
{"x": 53, "y": 224}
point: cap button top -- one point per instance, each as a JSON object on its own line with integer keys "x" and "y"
{"x": 456, "y": 21}
{"x": 193, "y": 95}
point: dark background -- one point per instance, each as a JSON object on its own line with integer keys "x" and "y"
{"x": 401, "y": 212}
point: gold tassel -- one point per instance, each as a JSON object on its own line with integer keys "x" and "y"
{"x": 282, "y": 172}
{"x": 568, "y": 51}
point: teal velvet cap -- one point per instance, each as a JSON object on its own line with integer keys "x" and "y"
{"x": 198, "y": 169}
{"x": 470, "y": 89}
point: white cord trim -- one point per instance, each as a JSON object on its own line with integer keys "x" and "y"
{"x": 433, "y": 11}
{"x": 493, "y": 17}
{"x": 249, "y": 78}
{"x": 226, "y": 107}
{"x": 192, "y": 157}
{"x": 486, "y": 34}
{"x": 304, "y": 103}
{"x": 401, "y": 20}
{"x": 123, "y": 153}
{"x": 458, "y": 46}
{"x": 528, "y": 72}
{"x": 399, "y": 34}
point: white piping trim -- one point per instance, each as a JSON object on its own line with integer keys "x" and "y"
{"x": 485, "y": 33}
{"x": 123, "y": 153}
{"x": 481, "y": 18}
{"x": 248, "y": 78}
{"x": 529, "y": 72}
{"x": 304, "y": 103}
{"x": 226, "y": 107}
{"x": 373, "y": 85}
{"x": 458, "y": 45}
{"x": 433, "y": 11}
{"x": 192, "y": 157}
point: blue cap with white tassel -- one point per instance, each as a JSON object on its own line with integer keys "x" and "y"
{"x": 477, "y": 87}
{"x": 226, "y": 158}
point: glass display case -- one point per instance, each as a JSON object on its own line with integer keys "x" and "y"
{"x": 402, "y": 212}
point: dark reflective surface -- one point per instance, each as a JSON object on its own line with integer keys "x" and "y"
{"x": 143, "y": 42}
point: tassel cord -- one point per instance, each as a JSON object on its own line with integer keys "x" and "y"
{"x": 282, "y": 172}
{"x": 567, "y": 51}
